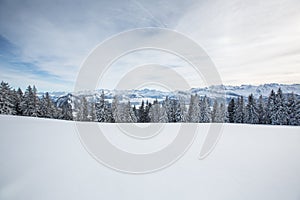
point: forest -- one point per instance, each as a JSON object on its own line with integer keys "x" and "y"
{"x": 277, "y": 109}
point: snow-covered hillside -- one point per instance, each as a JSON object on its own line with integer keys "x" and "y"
{"x": 44, "y": 159}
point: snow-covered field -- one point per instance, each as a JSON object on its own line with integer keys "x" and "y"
{"x": 44, "y": 159}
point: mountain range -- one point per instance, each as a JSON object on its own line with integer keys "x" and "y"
{"x": 136, "y": 96}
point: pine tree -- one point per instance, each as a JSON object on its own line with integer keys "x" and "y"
{"x": 231, "y": 111}
{"x": 18, "y": 101}
{"x": 281, "y": 115}
{"x": 129, "y": 116}
{"x": 297, "y": 115}
{"x": 82, "y": 114}
{"x": 204, "y": 114}
{"x": 36, "y": 102}
{"x": 141, "y": 113}
{"x": 30, "y": 102}
{"x": 65, "y": 107}
{"x": 92, "y": 113}
{"x": 291, "y": 110}
{"x": 158, "y": 114}
{"x": 251, "y": 111}
{"x": 179, "y": 111}
{"x": 167, "y": 104}
{"x": 218, "y": 113}
{"x": 194, "y": 109}
{"x": 271, "y": 109}
{"x": 47, "y": 108}
{"x": 135, "y": 112}
{"x": 154, "y": 112}
{"x": 181, "y": 114}
{"x": 221, "y": 114}
{"x": 6, "y": 102}
{"x": 146, "y": 113}
{"x": 116, "y": 109}
{"x": 261, "y": 110}
{"x": 214, "y": 111}
{"x": 103, "y": 112}
{"x": 123, "y": 112}
{"x": 240, "y": 110}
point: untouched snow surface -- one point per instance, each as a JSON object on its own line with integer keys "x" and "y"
{"x": 44, "y": 159}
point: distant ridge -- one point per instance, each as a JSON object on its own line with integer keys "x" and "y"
{"x": 136, "y": 96}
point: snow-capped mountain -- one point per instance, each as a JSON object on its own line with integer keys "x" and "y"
{"x": 136, "y": 96}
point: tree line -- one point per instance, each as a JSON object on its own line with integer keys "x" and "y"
{"x": 277, "y": 109}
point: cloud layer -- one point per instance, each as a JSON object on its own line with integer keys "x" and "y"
{"x": 45, "y": 42}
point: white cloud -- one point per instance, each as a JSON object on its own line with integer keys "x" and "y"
{"x": 250, "y": 42}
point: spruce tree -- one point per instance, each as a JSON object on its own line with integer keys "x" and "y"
{"x": 103, "y": 112}
{"x": 65, "y": 107}
{"x": 261, "y": 110}
{"x": 6, "y": 101}
{"x": 181, "y": 113}
{"x": 47, "y": 108}
{"x": 28, "y": 103}
{"x": 297, "y": 115}
{"x": 240, "y": 110}
{"x": 194, "y": 109}
{"x": 18, "y": 101}
{"x": 281, "y": 114}
{"x": 141, "y": 113}
{"x": 204, "y": 114}
{"x": 146, "y": 112}
{"x": 214, "y": 111}
{"x": 291, "y": 110}
{"x": 167, "y": 104}
{"x": 92, "y": 113}
{"x": 251, "y": 111}
{"x": 271, "y": 108}
{"x": 231, "y": 111}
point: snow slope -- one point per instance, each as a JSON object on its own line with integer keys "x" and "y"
{"x": 44, "y": 159}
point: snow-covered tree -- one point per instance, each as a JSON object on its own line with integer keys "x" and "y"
{"x": 65, "y": 107}
{"x": 30, "y": 103}
{"x": 92, "y": 113}
{"x": 47, "y": 107}
{"x": 221, "y": 115}
{"x": 123, "y": 112}
{"x": 146, "y": 113}
{"x": 180, "y": 111}
{"x": 82, "y": 113}
{"x": 194, "y": 109}
{"x": 218, "y": 113}
{"x": 142, "y": 112}
{"x": 251, "y": 115}
{"x": 297, "y": 115}
{"x": 271, "y": 108}
{"x": 240, "y": 110}
{"x": 103, "y": 110}
{"x": 169, "y": 106}
{"x": 157, "y": 113}
{"x": 261, "y": 110}
{"x": 204, "y": 114}
{"x": 128, "y": 114}
{"x": 231, "y": 111}
{"x": 291, "y": 110}
{"x": 17, "y": 102}
{"x": 115, "y": 108}
{"x": 281, "y": 114}
{"x": 6, "y": 101}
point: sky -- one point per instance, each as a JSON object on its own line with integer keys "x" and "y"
{"x": 44, "y": 43}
